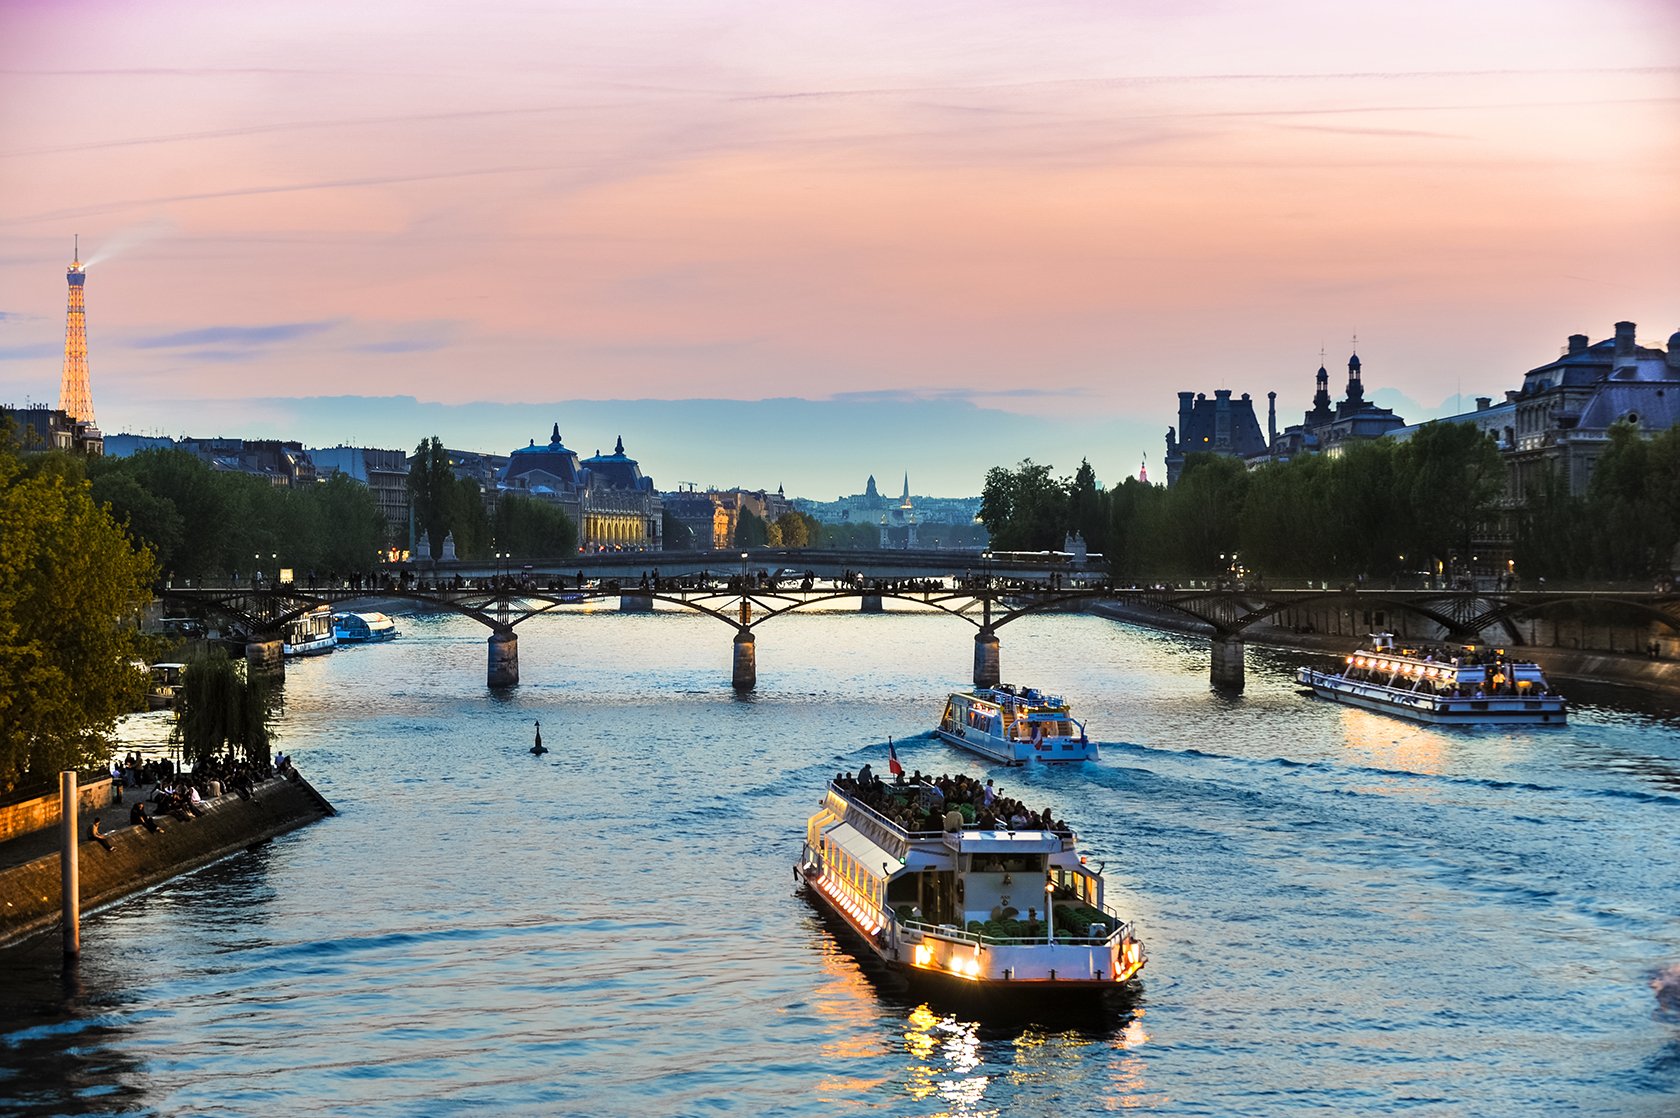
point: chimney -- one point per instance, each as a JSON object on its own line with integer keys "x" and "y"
{"x": 1578, "y": 343}
{"x": 1271, "y": 418}
{"x": 1624, "y": 342}
{"x": 1222, "y": 419}
{"x": 1483, "y": 403}
{"x": 1184, "y": 406}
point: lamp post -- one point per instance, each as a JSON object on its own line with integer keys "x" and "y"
{"x": 746, "y": 608}
{"x": 1050, "y": 908}
{"x": 256, "y": 571}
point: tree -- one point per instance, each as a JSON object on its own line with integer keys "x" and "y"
{"x": 352, "y": 529}
{"x": 1024, "y": 509}
{"x": 795, "y": 529}
{"x": 1087, "y": 508}
{"x": 71, "y": 587}
{"x": 750, "y": 530}
{"x": 223, "y": 705}
{"x": 431, "y": 485}
{"x": 527, "y": 528}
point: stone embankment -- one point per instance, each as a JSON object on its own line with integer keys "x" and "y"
{"x": 30, "y": 902}
{"x": 1628, "y": 669}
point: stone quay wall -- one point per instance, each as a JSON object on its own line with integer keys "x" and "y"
{"x": 27, "y": 816}
{"x": 30, "y": 899}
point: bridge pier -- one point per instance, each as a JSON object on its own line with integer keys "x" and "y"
{"x": 1227, "y": 671}
{"x": 746, "y": 661}
{"x": 266, "y": 657}
{"x": 870, "y": 603}
{"x": 635, "y": 603}
{"x": 504, "y": 659}
{"x": 987, "y": 668}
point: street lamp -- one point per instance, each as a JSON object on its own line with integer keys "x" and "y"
{"x": 1050, "y": 908}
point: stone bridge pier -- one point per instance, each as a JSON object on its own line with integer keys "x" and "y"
{"x": 746, "y": 661}
{"x": 503, "y": 668}
{"x": 265, "y": 654}
{"x": 1227, "y": 671}
{"x": 988, "y": 671}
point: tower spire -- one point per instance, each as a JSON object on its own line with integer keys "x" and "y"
{"x": 75, "y": 396}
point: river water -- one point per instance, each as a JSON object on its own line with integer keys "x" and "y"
{"x": 1345, "y": 913}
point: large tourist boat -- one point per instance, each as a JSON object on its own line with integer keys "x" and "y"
{"x": 991, "y": 913}
{"x": 309, "y": 634}
{"x": 1015, "y": 725}
{"x": 363, "y": 628}
{"x": 1456, "y": 685}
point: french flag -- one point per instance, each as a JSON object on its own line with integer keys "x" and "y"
{"x": 892, "y": 760}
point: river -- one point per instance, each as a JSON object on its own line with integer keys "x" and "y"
{"x": 1345, "y": 913}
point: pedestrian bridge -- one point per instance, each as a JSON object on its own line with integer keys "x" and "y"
{"x": 985, "y": 600}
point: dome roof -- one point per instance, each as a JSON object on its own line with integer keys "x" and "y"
{"x": 554, "y": 459}
{"x": 616, "y": 470}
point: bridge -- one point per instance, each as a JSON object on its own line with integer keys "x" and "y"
{"x": 980, "y": 595}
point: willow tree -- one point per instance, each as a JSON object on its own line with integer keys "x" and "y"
{"x": 222, "y": 705}
{"x": 72, "y": 585}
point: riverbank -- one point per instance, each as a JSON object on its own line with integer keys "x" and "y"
{"x": 1584, "y": 665}
{"x": 30, "y": 901}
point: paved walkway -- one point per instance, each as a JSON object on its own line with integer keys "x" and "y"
{"x": 26, "y": 848}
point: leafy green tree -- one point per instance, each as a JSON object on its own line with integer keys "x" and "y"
{"x": 1452, "y": 479}
{"x": 750, "y": 530}
{"x": 1024, "y": 509}
{"x": 72, "y": 585}
{"x": 431, "y": 486}
{"x": 351, "y": 527}
{"x": 527, "y": 528}
{"x": 470, "y": 520}
{"x": 793, "y": 529}
{"x": 1087, "y": 508}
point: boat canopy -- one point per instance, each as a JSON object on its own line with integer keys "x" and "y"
{"x": 870, "y": 854}
{"x": 1007, "y": 842}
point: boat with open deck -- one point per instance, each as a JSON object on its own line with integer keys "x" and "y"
{"x": 309, "y": 634}
{"x": 363, "y": 628}
{"x": 940, "y": 900}
{"x": 1460, "y": 685}
{"x": 1015, "y": 725}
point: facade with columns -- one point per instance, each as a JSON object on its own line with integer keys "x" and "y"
{"x": 613, "y": 505}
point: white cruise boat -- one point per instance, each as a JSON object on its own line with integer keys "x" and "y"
{"x": 309, "y": 634}
{"x": 983, "y": 913}
{"x": 1453, "y": 685}
{"x": 363, "y": 628}
{"x": 1015, "y": 725}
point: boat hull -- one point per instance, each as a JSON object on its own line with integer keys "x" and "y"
{"x": 1012, "y": 997}
{"x": 1495, "y": 710}
{"x": 1053, "y": 751}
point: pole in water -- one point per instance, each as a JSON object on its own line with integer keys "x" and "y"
{"x": 538, "y": 749}
{"x": 70, "y": 872}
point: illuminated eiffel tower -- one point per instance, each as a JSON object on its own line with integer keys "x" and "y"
{"x": 75, "y": 396}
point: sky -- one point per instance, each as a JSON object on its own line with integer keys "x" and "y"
{"x": 799, "y": 243}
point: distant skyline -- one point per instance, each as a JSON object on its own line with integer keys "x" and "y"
{"x": 929, "y": 238}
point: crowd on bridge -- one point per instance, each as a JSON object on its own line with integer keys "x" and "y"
{"x": 943, "y": 803}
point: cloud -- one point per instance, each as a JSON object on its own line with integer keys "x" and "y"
{"x": 236, "y": 335}
{"x": 29, "y": 352}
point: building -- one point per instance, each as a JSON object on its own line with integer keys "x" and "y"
{"x": 1326, "y": 427}
{"x": 384, "y": 472}
{"x": 284, "y": 464}
{"x": 1217, "y": 426}
{"x": 707, "y": 520}
{"x": 613, "y": 505}
{"x": 38, "y": 429}
{"x": 1558, "y": 423}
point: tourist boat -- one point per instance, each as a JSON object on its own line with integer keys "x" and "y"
{"x": 1000, "y": 916}
{"x": 163, "y": 688}
{"x": 1456, "y": 685}
{"x": 309, "y": 634}
{"x": 1015, "y": 725}
{"x": 363, "y": 628}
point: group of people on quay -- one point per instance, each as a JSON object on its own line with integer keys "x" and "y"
{"x": 943, "y": 803}
{"x": 183, "y": 794}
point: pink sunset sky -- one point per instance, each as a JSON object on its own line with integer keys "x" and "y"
{"x": 1018, "y": 228}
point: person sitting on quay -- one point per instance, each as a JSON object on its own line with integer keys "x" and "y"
{"x": 100, "y": 836}
{"x": 137, "y": 817}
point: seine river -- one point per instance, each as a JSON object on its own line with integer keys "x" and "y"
{"x": 1345, "y": 914}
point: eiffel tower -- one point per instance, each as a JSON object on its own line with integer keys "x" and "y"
{"x": 75, "y": 396}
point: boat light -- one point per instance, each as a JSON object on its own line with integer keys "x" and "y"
{"x": 924, "y": 955}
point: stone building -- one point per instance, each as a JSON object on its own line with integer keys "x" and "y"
{"x": 1217, "y": 426}
{"x": 1326, "y": 426}
{"x": 36, "y": 429}
{"x": 613, "y": 505}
